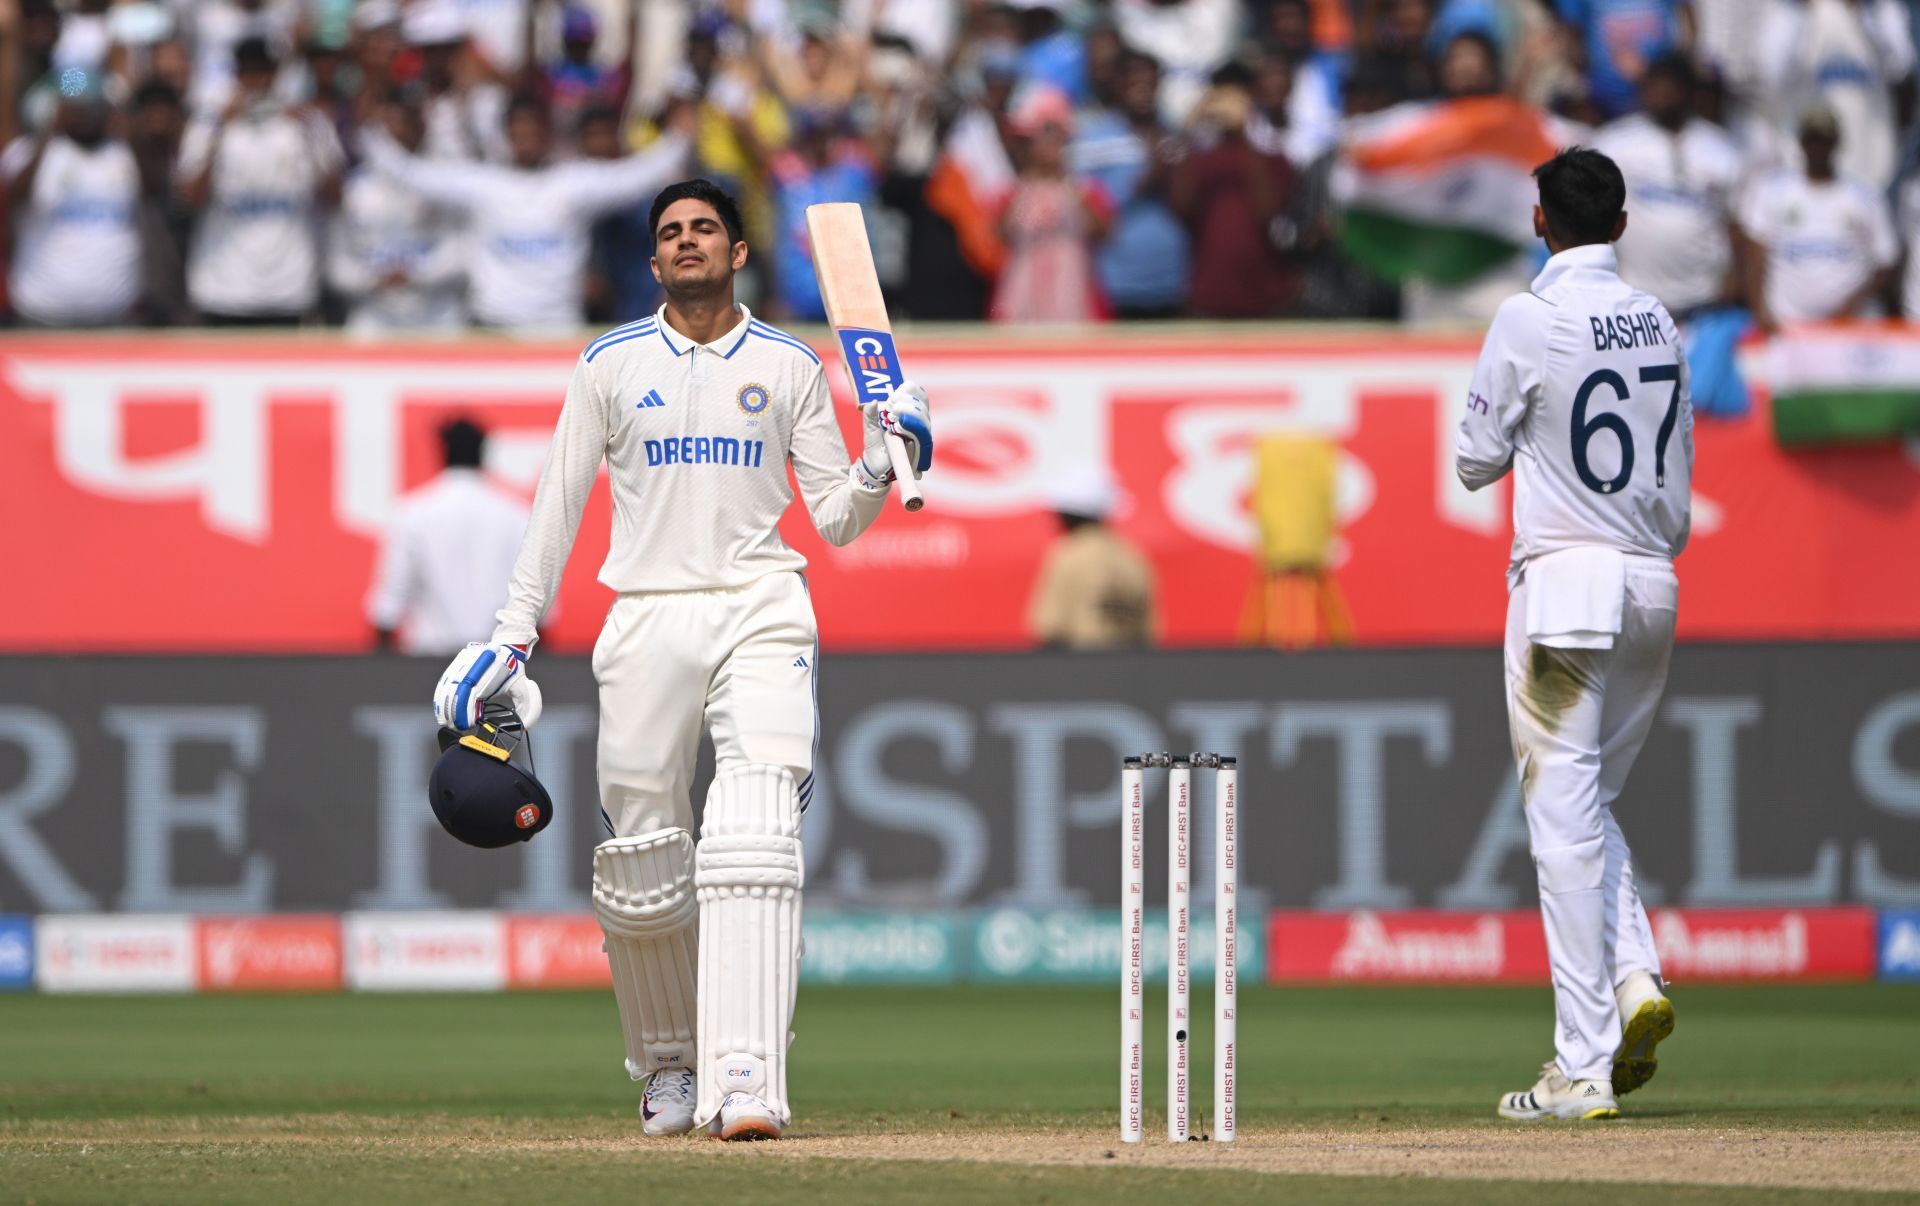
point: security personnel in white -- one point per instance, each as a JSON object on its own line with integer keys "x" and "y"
{"x": 1581, "y": 390}
{"x": 697, "y": 412}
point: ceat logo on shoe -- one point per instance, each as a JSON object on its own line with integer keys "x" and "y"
{"x": 253, "y": 954}
{"x": 557, "y": 951}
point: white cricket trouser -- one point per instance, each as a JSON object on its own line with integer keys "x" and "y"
{"x": 1578, "y": 720}
{"x": 738, "y": 661}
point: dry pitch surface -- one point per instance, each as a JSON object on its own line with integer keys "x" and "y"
{"x": 1787, "y": 1095}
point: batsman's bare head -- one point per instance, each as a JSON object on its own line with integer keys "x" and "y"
{"x": 698, "y": 240}
{"x": 1583, "y": 199}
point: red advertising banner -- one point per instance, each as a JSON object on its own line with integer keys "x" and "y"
{"x": 559, "y": 950}
{"x": 269, "y": 954}
{"x": 203, "y": 494}
{"x": 1511, "y": 948}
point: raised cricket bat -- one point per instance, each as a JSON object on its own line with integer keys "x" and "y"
{"x": 843, "y": 262}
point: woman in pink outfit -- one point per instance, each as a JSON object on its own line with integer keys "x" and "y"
{"x": 1051, "y": 223}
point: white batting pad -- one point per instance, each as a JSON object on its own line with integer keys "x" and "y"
{"x": 643, "y": 893}
{"x": 748, "y": 872}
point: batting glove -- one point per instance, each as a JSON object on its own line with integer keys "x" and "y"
{"x": 476, "y": 675}
{"x": 904, "y": 413}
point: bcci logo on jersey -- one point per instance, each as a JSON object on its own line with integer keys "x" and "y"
{"x": 871, "y": 362}
{"x": 753, "y": 399}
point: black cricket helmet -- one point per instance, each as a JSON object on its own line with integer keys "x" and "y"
{"x": 483, "y": 789}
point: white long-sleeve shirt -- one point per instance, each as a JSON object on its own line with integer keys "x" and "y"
{"x": 697, "y": 438}
{"x": 384, "y": 226}
{"x": 531, "y": 228}
{"x": 1582, "y": 391}
{"x": 443, "y": 569}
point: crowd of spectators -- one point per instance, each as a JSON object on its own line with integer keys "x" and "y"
{"x": 437, "y": 164}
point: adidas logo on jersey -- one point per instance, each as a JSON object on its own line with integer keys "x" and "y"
{"x": 653, "y": 398}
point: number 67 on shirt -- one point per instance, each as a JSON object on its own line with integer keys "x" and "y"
{"x": 857, "y": 311}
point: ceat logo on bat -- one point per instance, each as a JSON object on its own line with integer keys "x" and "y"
{"x": 871, "y": 362}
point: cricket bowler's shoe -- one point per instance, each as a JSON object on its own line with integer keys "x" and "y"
{"x": 1646, "y": 1017}
{"x": 1557, "y": 1097}
{"x": 666, "y": 1104}
{"x": 744, "y": 1116}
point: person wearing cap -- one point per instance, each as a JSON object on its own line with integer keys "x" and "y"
{"x": 577, "y": 83}
{"x": 1050, "y": 221}
{"x": 1826, "y": 246}
{"x": 398, "y": 259}
{"x": 258, "y": 174}
{"x": 1095, "y": 589}
{"x": 530, "y": 220}
{"x": 76, "y": 188}
{"x": 466, "y": 115}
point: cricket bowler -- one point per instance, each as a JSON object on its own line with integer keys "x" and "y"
{"x": 697, "y": 411}
{"x": 1581, "y": 390}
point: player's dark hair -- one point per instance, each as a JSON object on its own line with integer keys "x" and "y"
{"x": 699, "y": 190}
{"x": 1582, "y": 193}
{"x": 463, "y": 442}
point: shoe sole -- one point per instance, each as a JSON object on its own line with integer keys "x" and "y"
{"x": 1598, "y": 1114}
{"x": 748, "y": 1129}
{"x": 1650, "y": 1025}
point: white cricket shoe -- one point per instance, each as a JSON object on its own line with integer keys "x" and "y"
{"x": 1646, "y": 1017}
{"x": 666, "y": 1104}
{"x": 744, "y": 1116}
{"x": 1557, "y": 1097}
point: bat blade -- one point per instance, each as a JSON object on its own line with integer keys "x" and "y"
{"x": 857, "y": 311}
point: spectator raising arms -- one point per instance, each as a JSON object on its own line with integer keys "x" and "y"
{"x": 1234, "y": 200}
{"x": 76, "y": 261}
{"x": 824, "y": 164}
{"x": 397, "y": 258}
{"x": 258, "y": 174}
{"x": 1050, "y": 224}
{"x": 1827, "y": 242}
{"x": 1125, "y": 148}
{"x": 530, "y": 220}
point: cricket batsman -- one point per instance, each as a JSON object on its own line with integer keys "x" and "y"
{"x": 1581, "y": 390}
{"x": 697, "y": 412}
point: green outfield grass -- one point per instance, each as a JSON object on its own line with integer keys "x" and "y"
{"x": 505, "y": 1097}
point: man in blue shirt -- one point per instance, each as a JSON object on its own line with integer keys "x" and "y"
{"x": 1622, "y": 37}
{"x": 1143, "y": 263}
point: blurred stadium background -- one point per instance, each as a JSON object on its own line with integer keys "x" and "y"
{"x": 1218, "y": 264}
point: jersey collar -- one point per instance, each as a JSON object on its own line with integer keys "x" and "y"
{"x": 723, "y": 347}
{"x": 1589, "y": 257}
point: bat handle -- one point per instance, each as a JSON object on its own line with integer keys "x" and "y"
{"x": 907, "y": 480}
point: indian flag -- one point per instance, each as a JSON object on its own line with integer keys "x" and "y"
{"x": 1442, "y": 190}
{"x": 1844, "y": 383}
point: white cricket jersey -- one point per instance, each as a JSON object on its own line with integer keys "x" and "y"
{"x": 530, "y": 229}
{"x": 256, "y": 248}
{"x": 77, "y": 256}
{"x": 696, "y": 438}
{"x": 1681, "y": 191}
{"x": 384, "y": 226}
{"x": 443, "y": 571}
{"x": 1823, "y": 241}
{"x": 1582, "y": 390}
